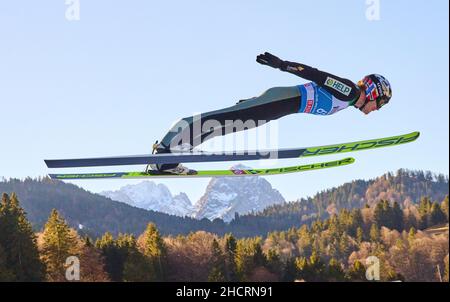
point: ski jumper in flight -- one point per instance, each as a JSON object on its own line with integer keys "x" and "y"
{"x": 326, "y": 94}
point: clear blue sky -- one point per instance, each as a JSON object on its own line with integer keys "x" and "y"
{"x": 114, "y": 81}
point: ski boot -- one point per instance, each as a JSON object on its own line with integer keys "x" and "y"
{"x": 169, "y": 168}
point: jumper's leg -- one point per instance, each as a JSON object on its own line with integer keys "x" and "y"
{"x": 272, "y": 104}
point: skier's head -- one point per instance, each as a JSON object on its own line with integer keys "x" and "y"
{"x": 376, "y": 92}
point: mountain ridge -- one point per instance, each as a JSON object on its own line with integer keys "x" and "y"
{"x": 222, "y": 199}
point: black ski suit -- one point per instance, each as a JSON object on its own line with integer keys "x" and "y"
{"x": 325, "y": 95}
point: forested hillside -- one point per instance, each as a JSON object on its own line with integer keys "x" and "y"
{"x": 96, "y": 214}
{"x": 333, "y": 249}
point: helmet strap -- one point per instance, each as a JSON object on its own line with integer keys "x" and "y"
{"x": 362, "y": 107}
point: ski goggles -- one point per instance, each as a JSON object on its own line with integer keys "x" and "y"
{"x": 372, "y": 95}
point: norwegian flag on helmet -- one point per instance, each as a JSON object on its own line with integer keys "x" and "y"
{"x": 371, "y": 89}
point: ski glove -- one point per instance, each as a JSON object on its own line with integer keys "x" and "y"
{"x": 270, "y": 60}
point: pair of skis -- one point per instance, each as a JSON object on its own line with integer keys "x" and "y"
{"x": 192, "y": 157}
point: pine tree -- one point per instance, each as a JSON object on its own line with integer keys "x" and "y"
{"x": 344, "y": 245}
{"x": 217, "y": 273}
{"x": 374, "y": 233}
{"x": 311, "y": 269}
{"x": 424, "y": 212}
{"x": 302, "y": 268}
{"x": 249, "y": 255}
{"x": 359, "y": 235}
{"x": 155, "y": 250}
{"x": 113, "y": 256}
{"x": 412, "y": 234}
{"x": 357, "y": 221}
{"x": 384, "y": 215}
{"x": 356, "y": 272}
{"x": 290, "y": 271}
{"x": 397, "y": 217}
{"x": 230, "y": 253}
{"x": 410, "y": 221}
{"x": 6, "y": 275}
{"x": 335, "y": 271}
{"x": 305, "y": 241}
{"x": 137, "y": 267}
{"x": 259, "y": 258}
{"x": 436, "y": 216}
{"x": 379, "y": 214}
{"x": 388, "y": 215}
{"x": 59, "y": 242}
{"x": 274, "y": 263}
{"x": 19, "y": 242}
{"x": 292, "y": 235}
{"x": 242, "y": 260}
{"x": 316, "y": 267}
{"x": 444, "y": 206}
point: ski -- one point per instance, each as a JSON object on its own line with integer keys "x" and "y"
{"x": 208, "y": 173}
{"x": 201, "y": 156}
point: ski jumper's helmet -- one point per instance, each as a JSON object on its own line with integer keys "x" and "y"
{"x": 376, "y": 88}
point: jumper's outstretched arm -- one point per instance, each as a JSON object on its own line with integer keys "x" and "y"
{"x": 342, "y": 88}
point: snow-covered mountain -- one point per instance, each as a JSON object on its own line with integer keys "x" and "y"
{"x": 150, "y": 196}
{"x": 223, "y": 197}
{"x": 226, "y": 196}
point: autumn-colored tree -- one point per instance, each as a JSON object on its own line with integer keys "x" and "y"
{"x": 20, "y": 252}
{"x": 262, "y": 274}
{"x": 59, "y": 242}
{"x": 92, "y": 266}
{"x": 411, "y": 218}
{"x": 189, "y": 257}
